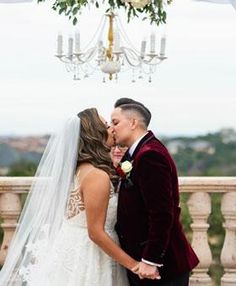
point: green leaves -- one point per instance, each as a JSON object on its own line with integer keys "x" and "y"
{"x": 153, "y": 11}
{"x": 75, "y": 20}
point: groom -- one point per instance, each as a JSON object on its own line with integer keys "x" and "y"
{"x": 148, "y": 209}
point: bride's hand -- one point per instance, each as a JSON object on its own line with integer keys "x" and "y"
{"x": 135, "y": 269}
{"x": 144, "y": 270}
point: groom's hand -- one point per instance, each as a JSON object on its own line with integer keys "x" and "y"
{"x": 144, "y": 270}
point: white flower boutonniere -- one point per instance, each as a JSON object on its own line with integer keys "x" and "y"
{"x": 126, "y": 167}
{"x": 123, "y": 170}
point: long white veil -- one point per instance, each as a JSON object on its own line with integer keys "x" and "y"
{"x": 46, "y": 204}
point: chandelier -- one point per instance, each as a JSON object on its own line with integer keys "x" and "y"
{"x": 113, "y": 55}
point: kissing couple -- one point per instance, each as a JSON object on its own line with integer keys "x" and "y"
{"x": 88, "y": 223}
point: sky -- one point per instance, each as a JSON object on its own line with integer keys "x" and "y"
{"x": 193, "y": 91}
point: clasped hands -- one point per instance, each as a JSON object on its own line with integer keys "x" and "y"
{"x": 144, "y": 270}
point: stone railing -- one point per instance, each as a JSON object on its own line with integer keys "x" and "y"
{"x": 199, "y": 205}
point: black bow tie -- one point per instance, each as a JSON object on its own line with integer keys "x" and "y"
{"x": 127, "y": 156}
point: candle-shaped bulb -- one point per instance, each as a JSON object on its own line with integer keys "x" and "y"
{"x": 59, "y": 44}
{"x": 152, "y": 43}
{"x": 77, "y": 42}
{"x": 70, "y": 47}
{"x": 143, "y": 48}
{"x": 163, "y": 46}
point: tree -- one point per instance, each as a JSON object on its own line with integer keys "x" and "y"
{"x": 22, "y": 168}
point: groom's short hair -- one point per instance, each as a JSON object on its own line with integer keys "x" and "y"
{"x": 128, "y": 104}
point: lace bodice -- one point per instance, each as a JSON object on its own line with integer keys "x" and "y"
{"x": 76, "y": 210}
{"x": 75, "y": 204}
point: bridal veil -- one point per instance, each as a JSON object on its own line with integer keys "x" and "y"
{"x": 46, "y": 204}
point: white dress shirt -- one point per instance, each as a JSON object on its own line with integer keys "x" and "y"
{"x": 135, "y": 144}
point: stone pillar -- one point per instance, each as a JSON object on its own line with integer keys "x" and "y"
{"x": 228, "y": 254}
{"x": 10, "y": 208}
{"x": 200, "y": 207}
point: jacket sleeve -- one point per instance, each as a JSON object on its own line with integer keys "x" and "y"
{"x": 154, "y": 179}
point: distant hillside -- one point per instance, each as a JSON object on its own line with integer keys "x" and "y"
{"x": 14, "y": 149}
{"x": 209, "y": 155}
{"x": 9, "y": 155}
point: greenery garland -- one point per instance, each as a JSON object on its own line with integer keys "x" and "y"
{"x": 154, "y": 10}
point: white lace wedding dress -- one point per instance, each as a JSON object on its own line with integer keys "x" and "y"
{"x": 74, "y": 260}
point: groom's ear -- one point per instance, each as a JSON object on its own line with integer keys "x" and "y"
{"x": 134, "y": 123}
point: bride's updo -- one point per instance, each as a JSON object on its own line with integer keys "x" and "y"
{"x": 92, "y": 144}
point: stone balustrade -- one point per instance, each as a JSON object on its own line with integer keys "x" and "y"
{"x": 199, "y": 205}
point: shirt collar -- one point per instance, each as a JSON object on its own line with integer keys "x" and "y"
{"x": 135, "y": 144}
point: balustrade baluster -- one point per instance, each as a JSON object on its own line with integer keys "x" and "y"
{"x": 200, "y": 207}
{"x": 228, "y": 254}
{"x": 10, "y": 208}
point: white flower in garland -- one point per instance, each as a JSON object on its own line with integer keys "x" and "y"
{"x": 139, "y": 4}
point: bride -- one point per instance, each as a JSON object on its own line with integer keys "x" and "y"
{"x": 65, "y": 235}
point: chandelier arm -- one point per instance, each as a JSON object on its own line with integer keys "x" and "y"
{"x": 64, "y": 59}
{"x": 87, "y": 56}
{"x": 151, "y": 63}
{"x": 102, "y": 24}
{"x": 124, "y": 35}
{"x": 153, "y": 57}
{"x": 130, "y": 63}
{"x": 137, "y": 58}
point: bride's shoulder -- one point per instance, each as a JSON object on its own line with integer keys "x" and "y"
{"x": 88, "y": 172}
{"x": 95, "y": 182}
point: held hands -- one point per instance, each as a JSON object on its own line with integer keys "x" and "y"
{"x": 144, "y": 270}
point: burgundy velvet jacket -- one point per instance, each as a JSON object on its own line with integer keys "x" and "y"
{"x": 148, "y": 223}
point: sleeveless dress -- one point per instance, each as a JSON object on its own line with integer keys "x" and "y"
{"x": 74, "y": 260}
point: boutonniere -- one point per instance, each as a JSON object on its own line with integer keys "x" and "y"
{"x": 124, "y": 169}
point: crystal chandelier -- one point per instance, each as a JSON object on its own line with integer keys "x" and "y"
{"x": 112, "y": 57}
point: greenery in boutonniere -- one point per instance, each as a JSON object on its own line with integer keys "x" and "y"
{"x": 154, "y": 10}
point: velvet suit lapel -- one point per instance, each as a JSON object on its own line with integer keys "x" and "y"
{"x": 127, "y": 156}
{"x": 144, "y": 140}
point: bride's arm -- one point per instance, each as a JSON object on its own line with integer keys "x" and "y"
{"x": 95, "y": 189}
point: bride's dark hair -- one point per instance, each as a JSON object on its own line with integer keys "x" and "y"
{"x": 92, "y": 144}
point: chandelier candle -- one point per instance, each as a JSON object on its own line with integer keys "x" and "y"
{"x": 163, "y": 46}
{"x": 143, "y": 48}
{"x": 152, "y": 43}
{"x": 59, "y": 45}
{"x": 70, "y": 47}
{"x": 77, "y": 42}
